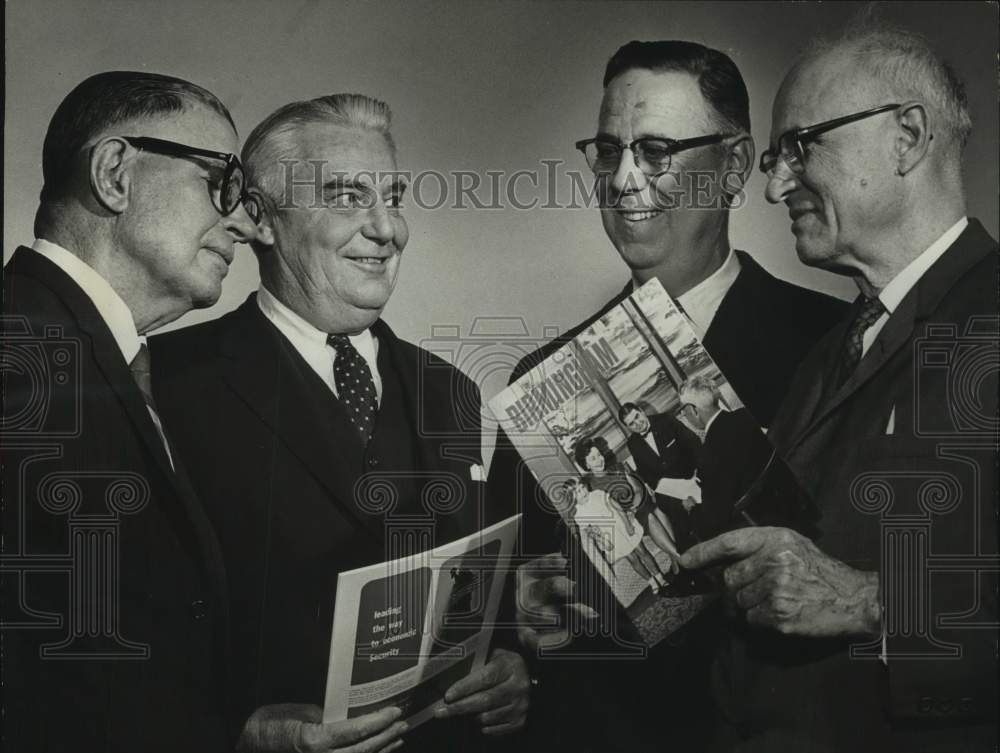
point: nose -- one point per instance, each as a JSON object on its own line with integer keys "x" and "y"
{"x": 239, "y": 225}
{"x": 627, "y": 177}
{"x": 379, "y": 225}
{"x": 781, "y": 182}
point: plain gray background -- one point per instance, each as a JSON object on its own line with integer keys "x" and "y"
{"x": 473, "y": 86}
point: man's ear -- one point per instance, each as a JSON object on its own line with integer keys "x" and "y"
{"x": 913, "y": 139}
{"x": 262, "y": 215}
{"x": 739, "y": 165}
{"x": 110, "y": 177}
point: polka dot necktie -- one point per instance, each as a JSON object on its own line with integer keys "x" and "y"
{"x": 355, "y": 385}
{"x": 871, "y": 310}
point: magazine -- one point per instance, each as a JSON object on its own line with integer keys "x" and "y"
{"x": 644, "y": 449}
{"x": 404, "y": 631}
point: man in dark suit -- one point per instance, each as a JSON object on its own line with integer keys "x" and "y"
{"x": 115, "y": 603}
{"x": 733, "y": 456}
{"x": 327, "y": 443}
{"x": 882, "y": 635}
{"x": 673, "y": 112}
{"x": 664, "y": 449}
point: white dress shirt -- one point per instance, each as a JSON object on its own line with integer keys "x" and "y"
{"x": 311, "y": 343}
{"x": 893, "y": 293}
{"x": 702, "y": 301}
{"x": 112, "y": 309}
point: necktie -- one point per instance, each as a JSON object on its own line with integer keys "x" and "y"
{"x": 141, "y": 369}
{"x": 870, "y": 311}
{"x": 355, "y": 385}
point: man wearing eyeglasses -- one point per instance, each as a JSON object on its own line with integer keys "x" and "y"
{"x": 115, "y": 594}
{"x": 882, "y": 635}
{"x": 671, "y": 155}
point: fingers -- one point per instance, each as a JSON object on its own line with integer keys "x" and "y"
{"x": 503, "y": 686}
{"x": 732, "y": 545}
{"x": 386, "y": 740}
{"x": 504, "y": 720}
{"x": 489, "y": 675}
{"x": 504, "y": 729}
{"x": 554, "y": 589}
{"x": 366, "y": 733}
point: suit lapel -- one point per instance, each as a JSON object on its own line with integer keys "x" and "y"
{"x": 107, "y": 354}
{"x": 970, "y": 247}
{"x": 108, "y": 357}
{"x": 274, "y": 382}
{"x": 441, "y": 445}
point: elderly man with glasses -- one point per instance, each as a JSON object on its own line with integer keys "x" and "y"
{"x": 115, "y": 603}
{"x": 670, "y": 158}
{"x": 882, "y": 635}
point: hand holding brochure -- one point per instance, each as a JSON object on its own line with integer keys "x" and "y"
{"x": 404, "y": 631}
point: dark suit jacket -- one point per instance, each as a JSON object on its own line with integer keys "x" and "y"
{"x": 270, "y": 449}
{"x": 761, "y": 332}
{"x": 734, "y": 456}
{"x": 89, "y": 494}
{"x": 919, "y": 506}
{"x": 677, "y": 450}
{"x": 676, "y": 456}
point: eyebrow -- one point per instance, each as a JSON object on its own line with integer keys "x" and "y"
{"x": 398, "y": 183}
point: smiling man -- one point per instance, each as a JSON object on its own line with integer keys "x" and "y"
{"x": 670, "y": 158}
{"x": 311, "y": 395}
{"x": 115, "y": 600}
{"x": 863, "y": 641}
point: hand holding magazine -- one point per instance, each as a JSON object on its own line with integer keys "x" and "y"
{"x": 644, "y": 449}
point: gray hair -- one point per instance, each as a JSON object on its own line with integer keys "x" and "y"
{"x": 273, "y": 138}
{"x": 903, "y": 65}
{"x": 701, "y": 385}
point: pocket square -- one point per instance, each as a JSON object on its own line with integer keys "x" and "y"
{"x": 476, "y": 472}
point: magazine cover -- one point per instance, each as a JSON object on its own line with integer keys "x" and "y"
{"x": 406, "y": 630}
{"x": 644, "y": 449}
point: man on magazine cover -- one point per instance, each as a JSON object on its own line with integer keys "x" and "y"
{"x": 672, "y": 110}
{"x": 882, "y": 635}
{"x": 326, "y": 440}
{"x": 664, "y": 448}
{"x": 115, "y": 600}
{"x": 732, "y": 458}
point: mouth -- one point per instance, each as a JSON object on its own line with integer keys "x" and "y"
{"x": 795, "y": 212}
{"x": 227, "y": 258}
{"x": 638, "y": 215}
{"x": 370, "y": 262}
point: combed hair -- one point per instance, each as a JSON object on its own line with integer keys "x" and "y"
{"x": 273, "y": 138}
{"x": 905, "y": 66}
{"x": 719, "y": 79}
{"x": 700, "y": 384}
{"x": 104, "y": 101}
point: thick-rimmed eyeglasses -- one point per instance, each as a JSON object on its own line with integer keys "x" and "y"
{"x": 228, "y": 193}
{"x": 792, "y": 143}
{"x": 651, "y": 155}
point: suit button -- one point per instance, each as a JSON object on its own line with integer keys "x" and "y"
{"x": 199, "y": 609}
{"x": 373, "y": 462}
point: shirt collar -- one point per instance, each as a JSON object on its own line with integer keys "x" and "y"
{"x": 701, "y": 302}
{"x": 708, "y": 424}
{"x": 308, "y": 339}
{"x": 893, "y": 293}
{"x": 112, "y": 309}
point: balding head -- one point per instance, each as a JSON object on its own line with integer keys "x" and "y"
{"x": 870, "y": 129}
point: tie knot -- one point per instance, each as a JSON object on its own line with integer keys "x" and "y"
{"x": 339, "y": 342}
{"x": 141, "y": 362}
{"x": 871, "y": 310}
